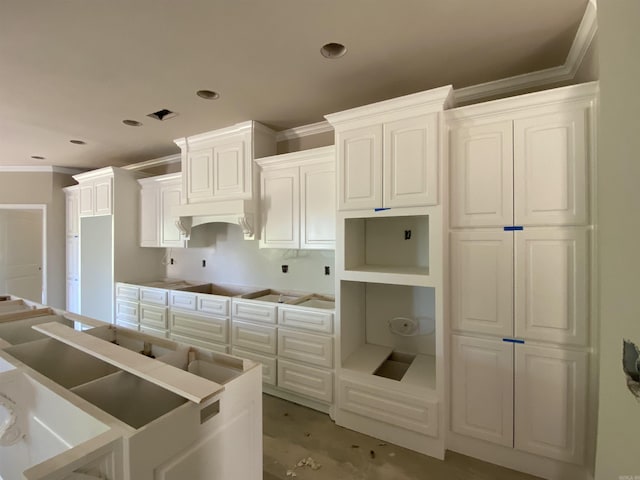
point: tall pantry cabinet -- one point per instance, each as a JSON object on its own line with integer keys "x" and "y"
{"x": 520, "y": 287}
{"x": 390, "y": 247}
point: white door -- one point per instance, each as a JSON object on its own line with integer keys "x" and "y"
{"x": 21, "y": 253}
{"x": 550, "y": 169}
{"x": 482, "y": 175}
{"x": 551, "y": 279}
{"x": 318, "y": 206}
{"x": 411, "y": 162}
{"x": 482, "y": 388}
{"x": 280, "y": 206}
{"x": 359, "y": 171}
{"x": 482, "y": 281}
{"x": 550, "y": 403}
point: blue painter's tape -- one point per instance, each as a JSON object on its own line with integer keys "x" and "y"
{"x": 512, "y": 228}
{"x": 381, "y": 209}
{"x": 512, "y": 340}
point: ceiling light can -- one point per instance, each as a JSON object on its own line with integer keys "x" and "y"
{"x": 132, "y": 123}
{"x": 208, "y": 94}
{"x": 333, "y": 50}
{"x": 78, "y": 142}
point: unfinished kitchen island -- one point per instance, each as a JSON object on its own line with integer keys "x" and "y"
{"x": 110, "y": 403}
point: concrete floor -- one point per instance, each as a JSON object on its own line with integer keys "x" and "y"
{"x": 293, "y": 433}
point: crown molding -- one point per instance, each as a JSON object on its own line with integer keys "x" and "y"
{"x": 155, "y": 162}
{"x": 581, "y": 43}
{"x": 41, "y": 169}
{"x": 304, "y": 131}
{"x": 297, "y": 158}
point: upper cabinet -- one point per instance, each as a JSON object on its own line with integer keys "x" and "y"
{"x": 218, "y": 165}
{"x": 388, "y": 153}
{"x": 157, "y": 196}
{"x": 522, "y": 161}
{"x": 298, "y": 200}
{"x": 96, "y": 193}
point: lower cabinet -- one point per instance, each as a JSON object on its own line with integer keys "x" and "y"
{"x": 268, "y": 362}
{"x": 529, "y": 397}
{"x": 153, "y": 317}
{"x": 309, "y": 381}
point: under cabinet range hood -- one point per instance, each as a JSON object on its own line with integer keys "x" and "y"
{"x": 238, "y": 212}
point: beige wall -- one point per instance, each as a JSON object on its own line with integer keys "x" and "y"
{"x": 25, "y": 187}
{"x": 618, "y": 449}
{"x": 305, "y": 143}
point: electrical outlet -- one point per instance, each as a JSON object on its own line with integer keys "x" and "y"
{"x": 171, "y": 261}
{"x": 327, "y": 270}
{"x": 285, "y": 268}
{"x": 204, "y": 263}
{"x": 407, "y": 234}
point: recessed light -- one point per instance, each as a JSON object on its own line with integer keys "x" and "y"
{"x": 208, "y": 94}
{"x": 78, "y": 142}
{"x": 132, "y": 123}
{"x": 37, "y": 157}
{"x": 333, "y": 50}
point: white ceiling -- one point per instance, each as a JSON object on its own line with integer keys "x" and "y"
{"x": 74, "y": 69}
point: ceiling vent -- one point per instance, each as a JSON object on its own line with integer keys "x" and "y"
{"x": 163, "y": 114}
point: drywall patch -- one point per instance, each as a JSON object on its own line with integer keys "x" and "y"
{"x": 631, "y": 366}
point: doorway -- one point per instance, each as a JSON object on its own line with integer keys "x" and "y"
{"x": 22, "y": 244}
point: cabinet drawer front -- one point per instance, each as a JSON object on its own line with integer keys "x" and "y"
{"x": 254, "y": 311}
{"x": 153, "y": 296}
{"x": 213, "y": 304}
{"x": 198, "y": 342}
{"x": 306, "y": 319}
{"x": 200, "y": 326}
{"x": 396, "y": 408}
{"x": 254, "y": 337}
{"x": 154, "y": 331}
{"x": 127, "y": 292}
{"x": 184, "y": 300}
{"x": 124, "y": 324}
{"x": 306, "y": 347}
{"x": 127, "y": 311}
{"x": 309, "y": 381}
{"x": 154, "y": 317}
{"x": 268, "y": 364}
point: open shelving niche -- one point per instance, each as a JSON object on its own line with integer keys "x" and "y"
{"x": 391, "y": 268}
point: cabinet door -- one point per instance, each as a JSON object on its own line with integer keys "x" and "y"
{"x": 199, "y": 178}
{"x": 231, "y": 171}
{"x": 482, "y": 281}
{"x": 170, "y": 196}
{"x": 73, "y": 296}
{"x": 550, "y": 169}
{"x": 86, "y": 199}
{"x": 73, "y": 257}
{"x": 149, "y": 228}
{"x": 482, "y": 175}
{"x": 72, "y": 212}
{"x": 411, "y": 162}
{"x": 103, "y": 189}
{"x": 359, "y": 173}
{"x": 550, "y": 403}
{"x": 280, "y": 205}
{"x": 482, "y": 389}
{"x": 552, "y": 285}
{"x": 318, "y": 206}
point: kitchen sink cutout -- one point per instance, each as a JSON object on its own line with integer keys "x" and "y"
{"x": 395, "y": 366}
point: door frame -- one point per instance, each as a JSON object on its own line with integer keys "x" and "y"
{"x": 43, "y": 210}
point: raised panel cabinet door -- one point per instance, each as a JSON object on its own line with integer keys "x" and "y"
{"x": 149, "y": 216}
{"x": 481, "y": 180}
{"x": 551, "y": 169}
{"x": 231, "y": 171}
{"x": 73, "y": 257}
{"x": 482, "y": 281}
{"x": 318, "y": 206}
{"x": 86, "y": 199}
{"x": 72, "y": 212}
{"x": 199, "y": 175}
{"x": 280, "y": 206}
{"x": 410, "y": 162}
{"x": 359, "y": 169}
{"x": 73, "y": 296}
{"x": 103, "y": 191}
{"x": 551, "y": 280}
{"x": 550, "y": 402}
{"x": 482, "y": 389}
{"x": 170, "y": 196}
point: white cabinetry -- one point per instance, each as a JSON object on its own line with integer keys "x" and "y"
{"x": 73, "y": 248}
{"x": 520, "y": 263}
{"x": 96, "y": 196}
{"x": 158, "y": 195}
{"x": 389, "y": 152}
{"x": 298, "y": 200}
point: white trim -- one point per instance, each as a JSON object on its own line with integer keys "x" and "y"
{"x": 40, "y": 169}
{"x": 43, "y": 208}
{"x": 297, "y": 158}
{"x": 155, "y": 162}
{"x": 581, "y": 43}
{"x": 304, "y": 131}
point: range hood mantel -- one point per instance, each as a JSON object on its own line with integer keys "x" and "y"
{"x": 239, "y": 212}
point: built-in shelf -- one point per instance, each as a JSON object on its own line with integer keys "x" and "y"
{"x": 394, "y": 275}
{"x": 367, "y": 359}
